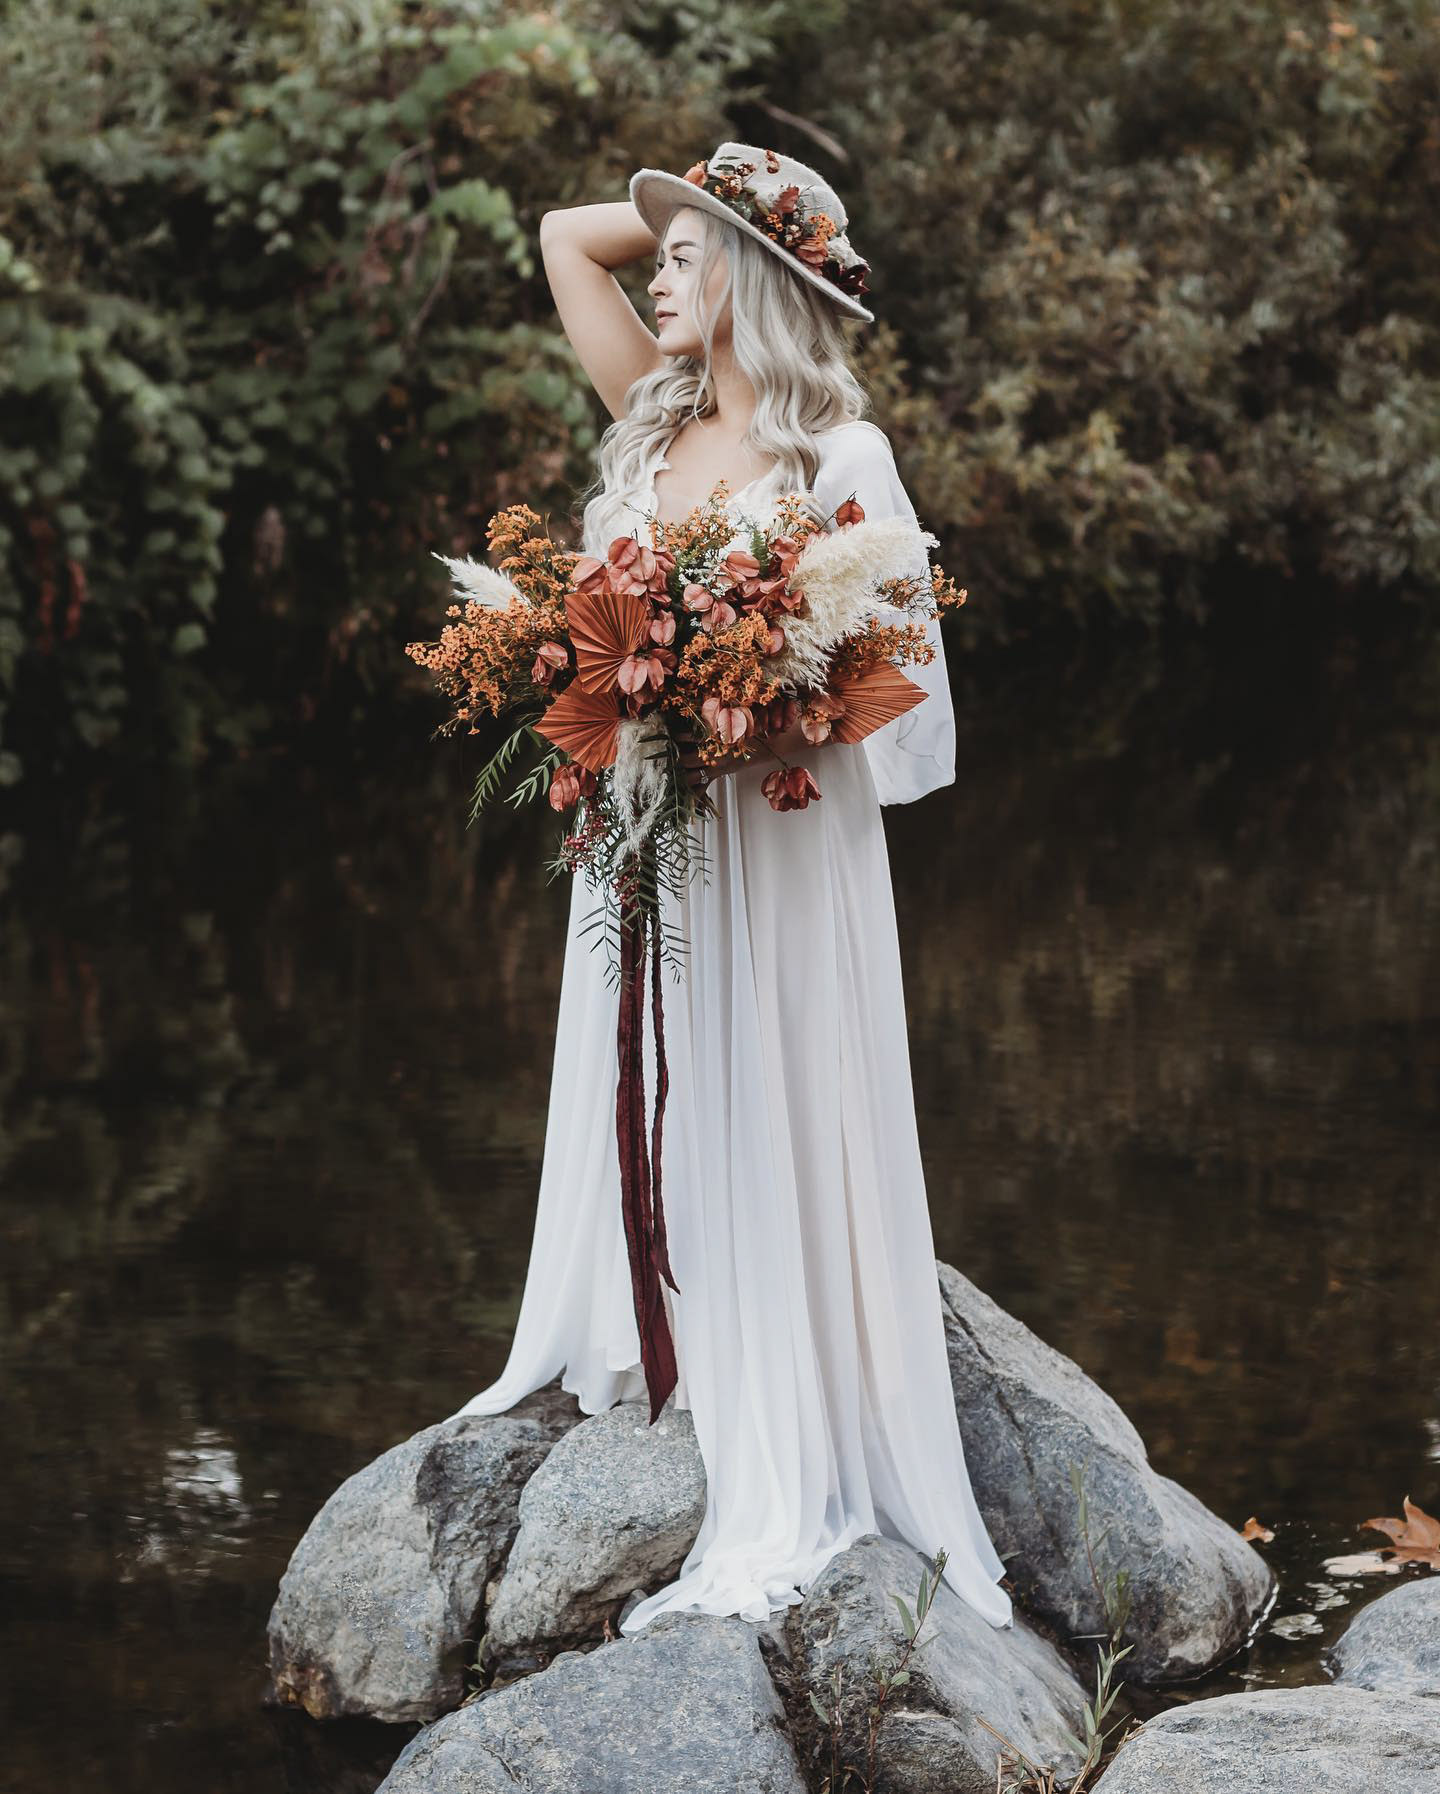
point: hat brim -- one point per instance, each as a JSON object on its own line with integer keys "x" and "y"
{"x": 656, "y": 193}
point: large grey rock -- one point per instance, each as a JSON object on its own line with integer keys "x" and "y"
{"x": 684, "y": 1706}
{"x": 614, "y": 1506}
{"x": 1322, "y": 1740}
{"x": 385, "y": 1588}
{"x": 1393, "y": 1644}
{"x": 1027, "y": 1413}
{"x": 931, "y": 1740}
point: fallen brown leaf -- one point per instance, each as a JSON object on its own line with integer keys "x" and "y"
{"x": 1416, "y": 1538}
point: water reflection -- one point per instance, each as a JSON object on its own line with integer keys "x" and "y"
{"x": 274, "y": 1060}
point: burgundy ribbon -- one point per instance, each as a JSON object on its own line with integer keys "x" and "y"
{"x": 640, "y": 1175}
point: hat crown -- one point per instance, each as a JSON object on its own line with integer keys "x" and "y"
{"x": 774, "y": 172}
{"x": 778, "y": 199}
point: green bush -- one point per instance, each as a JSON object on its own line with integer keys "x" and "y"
{"x": 273, "y": 328}
{"x": 1158, "y": 288}
{"x": 1167, "y": 280}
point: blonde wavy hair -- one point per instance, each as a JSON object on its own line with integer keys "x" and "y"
{"x": 789, "y": 342}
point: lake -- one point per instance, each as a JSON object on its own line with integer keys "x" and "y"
{"x": 276, "y": 1048}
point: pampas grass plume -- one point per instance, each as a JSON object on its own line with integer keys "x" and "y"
{"x": 479, "y": 582}
{"x": 839, "y": 572}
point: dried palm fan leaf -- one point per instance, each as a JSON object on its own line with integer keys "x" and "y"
{"x": 872, "y": 699}
{"x": 606, "y": 628}
{"x": 586, "y": 724}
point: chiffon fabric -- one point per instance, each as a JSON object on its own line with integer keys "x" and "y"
{"x": 808, "y": 1327}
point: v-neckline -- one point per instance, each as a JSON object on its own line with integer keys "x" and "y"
{"x": 664, "y": 461}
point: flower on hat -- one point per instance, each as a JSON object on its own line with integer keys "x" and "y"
{"x": 811, "y": 236}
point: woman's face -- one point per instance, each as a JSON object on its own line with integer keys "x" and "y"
{"x": 675, "y": 287}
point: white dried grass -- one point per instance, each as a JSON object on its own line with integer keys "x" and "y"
{"x": 839, "y": 573}
{"x": 479, "y": 582}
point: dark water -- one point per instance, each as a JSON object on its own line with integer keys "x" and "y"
{"x": 274, "y": 1057}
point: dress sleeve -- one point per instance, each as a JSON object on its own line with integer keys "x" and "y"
{"x": 915, "y": 753}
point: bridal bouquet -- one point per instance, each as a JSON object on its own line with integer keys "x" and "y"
{"x": 702, "y": 640}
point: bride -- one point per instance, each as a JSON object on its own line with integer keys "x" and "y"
{"x": 809, "y": 1338}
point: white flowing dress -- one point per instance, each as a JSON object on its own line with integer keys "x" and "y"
{"x": 808, "y": 1330}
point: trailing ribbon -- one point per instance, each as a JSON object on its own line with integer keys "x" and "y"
{"x": 640, "y": 1201}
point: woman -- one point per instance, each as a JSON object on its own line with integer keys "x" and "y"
{"x": 808, "y": 1330}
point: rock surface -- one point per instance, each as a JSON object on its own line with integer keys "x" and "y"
{"x": 385, "y": 1588}
{"x": 1027, "y": 1413}
{"x": 931, "y": 1740}
{"x": 614, "y": 1506}
{"x": 1285, "y": 1741}
{"x": 516, "y": 1536}
{"x": 685, "y": 1706}
{"x": 1393, "y": 1644}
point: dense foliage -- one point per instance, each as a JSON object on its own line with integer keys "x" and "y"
{"x": 1159, "y": 286}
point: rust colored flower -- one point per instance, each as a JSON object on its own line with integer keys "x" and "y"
{"x": 731, "y": 722}
{"x": 789, "y": 788}
{"x": 662, "y": 627}
{"x": 697, "y": 598}
{"x": 815, "y": 250}
{"x": 640, "y": 673}
{"x": 719, "y": 616}
{"x": 740, "y": 568}
{"x": 590, "y": 575}
{"x": 786, "y": 551}
{"x": 550, "y": 659}
{"x": 819, "y": 716}
{"x": 850, "y": 512}
{"x": 801, "y": 785}
{"x": 775, "y": 640}
{"x": 695, "y": 173}
{"x": 569, "y": 784}
{"x": 636, "y": 566}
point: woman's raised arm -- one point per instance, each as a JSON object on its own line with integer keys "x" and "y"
{"x": 579, "y": 246}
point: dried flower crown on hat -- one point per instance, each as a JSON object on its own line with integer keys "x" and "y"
{"x": 798, "y": 225}
{"x": 783, "y": 201}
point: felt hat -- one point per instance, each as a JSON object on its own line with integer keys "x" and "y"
{"x": 794, "y": 212}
